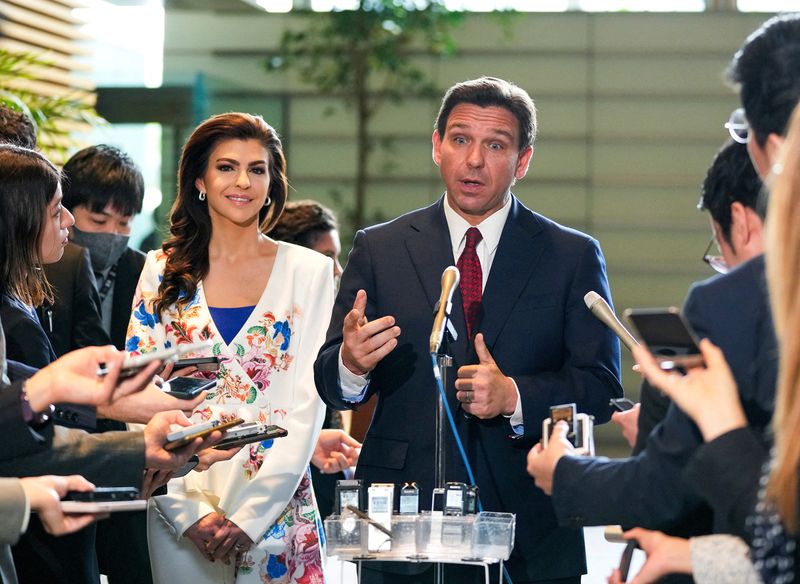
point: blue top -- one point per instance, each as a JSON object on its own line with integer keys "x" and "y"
{"x": 230, "y": 321}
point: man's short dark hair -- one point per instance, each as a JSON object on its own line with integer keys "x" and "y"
{"x": 303, "y": 222}
{"x": 17, "y": 127}
{"x": 488, "y": 92}
{"x": 731, "y": 178}
{"x": 99, "y": 175}
{"x": 766, "y": 71}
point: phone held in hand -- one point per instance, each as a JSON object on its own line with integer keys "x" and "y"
{"x": 132, "y": 365}
{"x": 187, "y": 435}
{"x": 625, "y": 561}
{"x": 249, "y": 433}
{"x": 193, "y": 461}
{"x": 621, "y": 404}
{"x": 103, "y": 500}
{"x": 202, "y": 363}
{"x": 188, "y": 387}
{"x": 667, "y": 335}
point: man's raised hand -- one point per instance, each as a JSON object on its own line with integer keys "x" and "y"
{"x": 366, "y": 342}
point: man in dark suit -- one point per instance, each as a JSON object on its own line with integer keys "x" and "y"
{"x": 732, "y": 310}
{"x": 525, "y": 340}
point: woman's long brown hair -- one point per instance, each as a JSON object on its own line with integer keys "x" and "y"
{"x": 190, "y": 224}
{"x": 28, "y": 182}
{"x": 783, "y": 270}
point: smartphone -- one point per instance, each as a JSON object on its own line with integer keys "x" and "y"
{"x": 568, "y": 413}
{"x": 132, "y": 365}
{"x": 249, "y": 433}
{"x": 101, "y": 507}
{"x": 668, "y": 336}
{"x": 625, "y": 561}
{"x": 621, "y": 404}
{"x": 202, "y": 363}
{"x": 103, "y": 494}
{"x": 188, "y": 387}
{"x": 186, "y": 435}
{"x": 193, "y": 461}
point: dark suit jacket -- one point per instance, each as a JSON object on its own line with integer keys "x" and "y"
{"x": 75, "y": 315}
{"x": 649, "y": 490}
{"x": 538, "y": 330}
{"x": 129, "y": 268}
{"x": 27, "y": 343}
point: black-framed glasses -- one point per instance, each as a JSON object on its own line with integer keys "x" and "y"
{"x": 715, "y": 261}
{"x": 738, "y": 126}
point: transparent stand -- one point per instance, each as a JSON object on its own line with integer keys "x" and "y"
{"x": 481, "y": 540}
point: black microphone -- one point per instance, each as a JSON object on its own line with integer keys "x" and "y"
{"x": 603, "y": 312}
{"x": 450, "y": 279}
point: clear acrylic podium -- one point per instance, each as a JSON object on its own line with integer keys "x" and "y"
{"x": 482, "y": 539}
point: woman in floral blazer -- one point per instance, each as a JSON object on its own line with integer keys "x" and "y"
{"x": 265, "y": 307}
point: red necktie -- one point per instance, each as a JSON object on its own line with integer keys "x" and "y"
{"x": 471, "y": 283}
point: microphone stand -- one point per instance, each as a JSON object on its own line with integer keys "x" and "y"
{"x": 444, "y": 362}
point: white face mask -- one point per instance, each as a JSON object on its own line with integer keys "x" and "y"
{"x": 105, "y": 249}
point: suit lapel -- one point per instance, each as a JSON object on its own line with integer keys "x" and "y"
{"x": 430, "y": 250}
{"x": 514, "y": 263}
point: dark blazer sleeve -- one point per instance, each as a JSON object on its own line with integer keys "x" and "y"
{"x": 590, "y": 372}
{"x": 730, "y": 489}
{"x": 26, "y": 341}
{"x": 109, "y": 459}
{"x": 18, "y": 438}
{"x": 654, "y": 406}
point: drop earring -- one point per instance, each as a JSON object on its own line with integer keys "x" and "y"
{"x": 202, "y": 195}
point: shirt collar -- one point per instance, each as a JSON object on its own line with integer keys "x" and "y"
{"x": 491, "y": 228}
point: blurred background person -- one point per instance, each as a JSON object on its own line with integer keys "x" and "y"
{"x": 312, "y": 225}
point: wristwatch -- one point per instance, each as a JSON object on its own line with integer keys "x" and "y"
{"x": 33, "y": 419}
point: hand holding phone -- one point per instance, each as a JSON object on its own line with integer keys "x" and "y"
{"x": 621, "y": 404}
{"x": 201, "y": 363}
{"x": 103, "y": 500}
{"x": 133, "y": 365}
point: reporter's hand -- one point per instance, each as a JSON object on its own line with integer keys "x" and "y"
{"x": 139, "y": 408}
{"x": 629, "y": 422}
{"x": 482, "y": 389}
{"x": 665, "y": 555}
{"x": 210, "y": 456}
{"x": 73, "y": 378}
{"x": 707, "y": 394}
{"x": 542, "y": 461}
{"x": 168, "y": 371}
{"x": 44, "y": 496}
{"x": 365, "y": 343}
{"x": 153, "y": 479}
{"x": 155, "y": 436}
{"x": 335, "y": 451}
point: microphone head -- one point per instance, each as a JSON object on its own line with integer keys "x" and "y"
{"x": 450, "y": 277}
{"x": 591, "y": 299}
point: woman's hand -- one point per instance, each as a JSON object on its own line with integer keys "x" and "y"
{"x": 203, "y": 531}
{"x": 665, "y": 555}
{"x": 707, "y": 394}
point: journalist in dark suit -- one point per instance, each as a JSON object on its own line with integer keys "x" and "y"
{"x": 535, "y": 343}
{"x": 732, "y": 310}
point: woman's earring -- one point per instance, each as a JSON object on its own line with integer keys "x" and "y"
{"x": 268, "y": 202}
{"x": 202, "y": 196}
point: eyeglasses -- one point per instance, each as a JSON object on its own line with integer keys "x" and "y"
{"x": 737, "y": 126}
{"x": 715, "y": 261}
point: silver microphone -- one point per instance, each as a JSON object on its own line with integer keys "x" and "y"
{"x": 450, "y": 279}
{"x": 603, "y": 312}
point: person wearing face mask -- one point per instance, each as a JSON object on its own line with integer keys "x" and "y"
{"x": 104, "y": 189}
